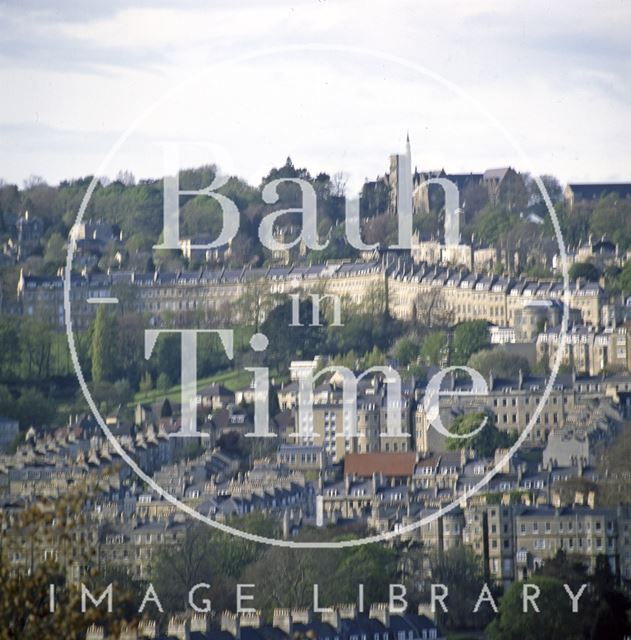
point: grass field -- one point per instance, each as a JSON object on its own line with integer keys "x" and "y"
{"x": 232, "y": 379}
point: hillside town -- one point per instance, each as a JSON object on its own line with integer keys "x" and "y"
{"x": 556, "y": 362}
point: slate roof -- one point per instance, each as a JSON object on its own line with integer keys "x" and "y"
{"x": 595, "y": 191}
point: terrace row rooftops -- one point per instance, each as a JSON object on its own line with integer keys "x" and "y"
{"x": 399, "y": 270}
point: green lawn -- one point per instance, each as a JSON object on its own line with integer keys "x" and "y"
{"x": 232, "y": 379}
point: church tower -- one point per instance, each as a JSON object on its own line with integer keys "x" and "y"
{"x": 400, "y": 180}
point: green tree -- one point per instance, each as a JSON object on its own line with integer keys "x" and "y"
{"x": 611, "y": 618}
{"x": 535, "y": 197}
{"x": 34, "y": 409}
{"x": 7, "y": 403}
{"x": 469, "y": 337}
{"x": 9, "y": 347}
{"x": 37, "y": 341}
{"x": 611, "y": 217}
{"x": 374, "y": 358}
{"x": 367, "y": 564}
{"x": 500, "y": 362}
{"x": 493, "y": 223}
{"x": 177, "y": 569}
{"x": 167, "y": 359}
{"x": 434, "y": 347}
{"x": 103, "y": 351}
{"x": 585, "y": 270}
{"x": 146, "y": 382}
{"x": 624, "y": 278}
{"x": 461, "y": 571}
{"x": 406, "y": 350}
{"x": 287, "y": 342}
{"x": 485, "y": 442}
{"x": 55, "y": 250}
{"x": 555, "y": 619}
{"x": 163, "y": 382}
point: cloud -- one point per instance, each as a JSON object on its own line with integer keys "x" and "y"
{"x": 554, "y": 74}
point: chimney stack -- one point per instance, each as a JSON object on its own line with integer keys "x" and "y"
{"x": 127, "y": 632}
{"x": 348, "y": 611}
{"x": 200, "y": 623}
{"x": 95, "y": 632}
{"x": 283, "y": 620}
{"x": 253, "y": 620}
{"x": 332, "y": 617}
{"x": 147, "y": 629}
{"x": 230, "y": 623}
{"x": 179, "y": 627}
{"x": 379, "y": 611}
{"x": 302, "y": 616}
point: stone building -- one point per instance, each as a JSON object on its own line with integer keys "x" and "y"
{"x": 576, "y": 193}
{"x": 513, "y": 403}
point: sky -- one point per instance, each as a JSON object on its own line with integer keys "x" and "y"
{"x": 336, "y": 85}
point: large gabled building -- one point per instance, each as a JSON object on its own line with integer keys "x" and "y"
{"x": 579, "y": 193}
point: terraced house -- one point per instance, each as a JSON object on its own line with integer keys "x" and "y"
{"x": 430, "y": 293}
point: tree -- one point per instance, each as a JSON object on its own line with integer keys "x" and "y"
{"x": 500, "y": 362}
{"x": 486, "y": 442}
{"x": 130, "y": 346}
{"x": 7, "y": 403}
{"x": 374, "y": 358}
{"x": 291, "y": 342}
{"x": 493, "y": 223}
{"x": 146, "y": 382}
{"x": 255, "y": 303}
{"x": 37, "y": 341}
{"x": 434, "y": 348}
{"x": 34, "y": 409}
{"x": 433, "y": 311}
{"x": 611, "y": 619}
{"x": 55, "y": 250}
{"x": 406, "y": 350}
{"x": 624, "y": 278}
{"x": 163, "y": 382}
{"x": 167, "y": 357}
{"x": 585, "y": 270}
{"x": 611, "y": 217}
{"x": 461, "y": 571}
{"x": 24, "y": 597}
{"x": 178, "y": 569}
{"x": 603, "y": 577}
{"x": 103, "y": 351}
{"x": 367, "y": 564}
{"x": 469, "y": 337}
{"x": 555, "y": 619}
{"x": 536, "y": 201}
{"x": 9, "y": 347}
{"x": 603, "y": 609}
